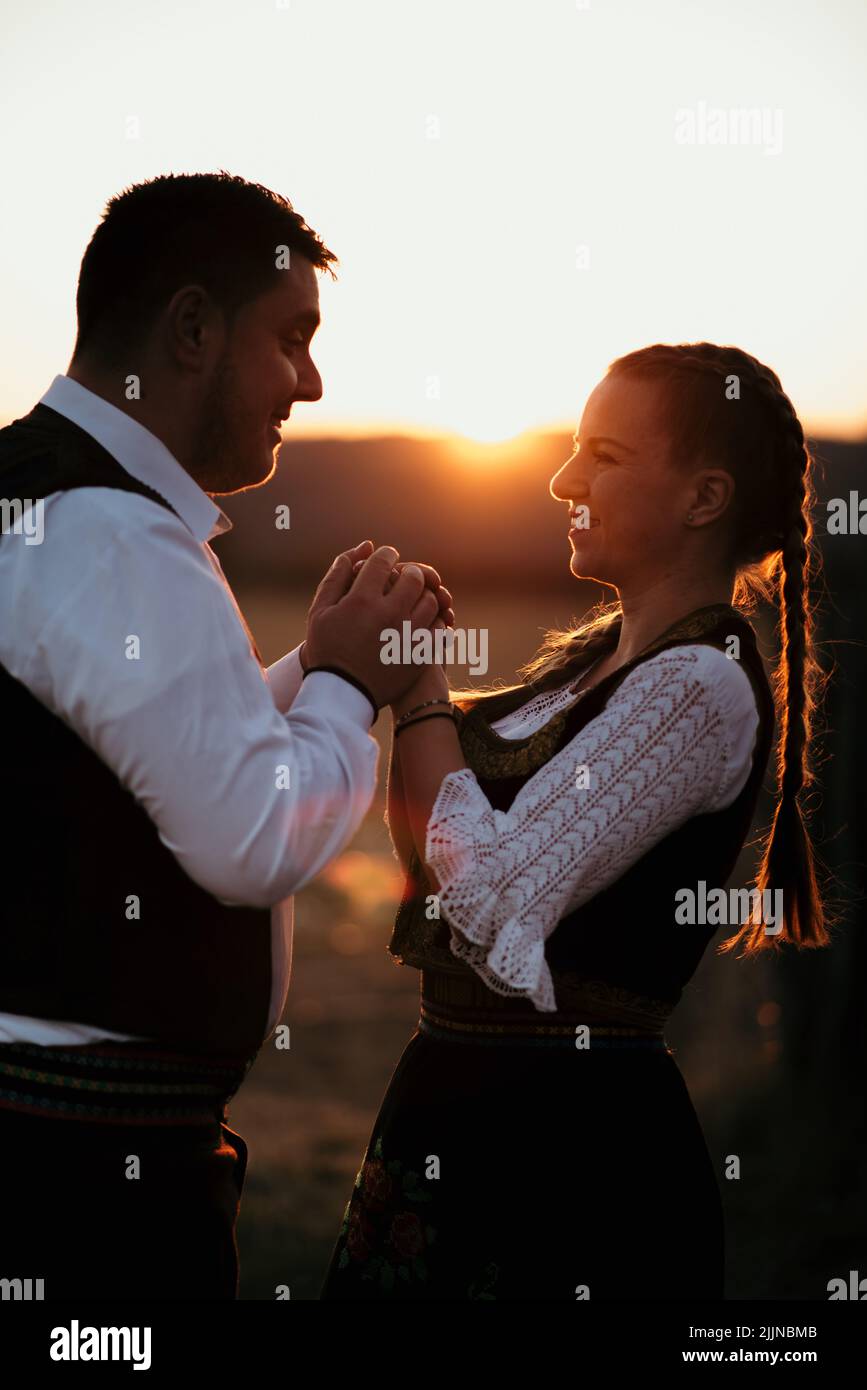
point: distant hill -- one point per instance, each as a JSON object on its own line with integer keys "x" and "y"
{"x": 491, "y": 521}
{"x": 483, "y": 521}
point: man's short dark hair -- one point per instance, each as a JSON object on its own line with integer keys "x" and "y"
{"x": 215, "y": 230}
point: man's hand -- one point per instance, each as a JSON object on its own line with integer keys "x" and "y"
{"x": 431, "y": 579}
{"x": 354, "y": 559}
{"x": 356, "y": 600}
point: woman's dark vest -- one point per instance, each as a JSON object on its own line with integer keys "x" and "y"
{"x": 623, "y": 943}
{"x": 190, "y": 973}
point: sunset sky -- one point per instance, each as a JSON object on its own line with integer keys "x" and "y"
{"x": 518, "y": 191}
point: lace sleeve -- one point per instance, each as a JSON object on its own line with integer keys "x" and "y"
{"x": 675, "y": 740}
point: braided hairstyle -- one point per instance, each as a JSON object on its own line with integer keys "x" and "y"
{"x": 725, "y": 408}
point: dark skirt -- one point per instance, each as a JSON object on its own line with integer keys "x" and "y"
{"x": 519, "y": 1171}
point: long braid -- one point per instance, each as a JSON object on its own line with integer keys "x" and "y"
{"x": 762, "y": 443}
{"x": 795, "y": 682}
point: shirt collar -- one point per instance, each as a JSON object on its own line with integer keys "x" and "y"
{"x": 140, "y": 453}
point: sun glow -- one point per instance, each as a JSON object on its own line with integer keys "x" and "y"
{"x": 505, "y": 228}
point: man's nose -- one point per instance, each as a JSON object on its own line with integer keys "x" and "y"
{"x": 309, "y": 383}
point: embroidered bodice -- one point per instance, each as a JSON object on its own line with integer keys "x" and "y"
{"x": 674, "y": 740}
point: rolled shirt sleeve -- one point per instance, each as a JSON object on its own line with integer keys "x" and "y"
{"x": 285, "y": 677}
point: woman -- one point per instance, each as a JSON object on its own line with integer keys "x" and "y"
{"x": 537, "y": 1140}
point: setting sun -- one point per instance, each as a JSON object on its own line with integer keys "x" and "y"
{"x": 495, "y": 255}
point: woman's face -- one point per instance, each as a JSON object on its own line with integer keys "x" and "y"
{"x": 627, "y": 505}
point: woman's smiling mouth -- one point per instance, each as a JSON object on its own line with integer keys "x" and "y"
{"x": 578, "y": 521}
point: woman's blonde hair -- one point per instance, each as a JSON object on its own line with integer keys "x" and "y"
{"x": 726, "y": 408}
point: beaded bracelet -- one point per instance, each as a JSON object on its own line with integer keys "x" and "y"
{"x": 438, "y": 714}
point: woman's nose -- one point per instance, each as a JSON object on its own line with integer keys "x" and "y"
{"x": 569, "y": 484}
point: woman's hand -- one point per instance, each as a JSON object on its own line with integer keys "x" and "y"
{"x": 421, "y": 757}
{"x": 432, "y": 581}
{"x": 432, "y": 684}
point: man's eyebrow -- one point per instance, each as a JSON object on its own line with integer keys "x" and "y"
{"x": 307, "y": 318}
{"x": 602, "y": 439}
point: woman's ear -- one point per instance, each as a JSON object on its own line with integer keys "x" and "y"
{"x": 713, "y": 495}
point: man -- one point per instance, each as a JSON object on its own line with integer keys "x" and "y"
{"x": 167, "y": 795}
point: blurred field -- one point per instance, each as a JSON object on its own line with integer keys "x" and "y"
{"x": 795, "y": 1219}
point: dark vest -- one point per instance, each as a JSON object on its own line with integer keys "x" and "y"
{"x": 190, "y": 973}
{"x": 625, "y": 938}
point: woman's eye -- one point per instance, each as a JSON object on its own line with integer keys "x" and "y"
{"x": 293, "y": 342}
{"x": 604, "y": 458}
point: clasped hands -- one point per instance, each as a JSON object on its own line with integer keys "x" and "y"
{"x": 365, "y": 591}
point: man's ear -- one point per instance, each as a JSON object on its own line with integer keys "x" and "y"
{"x": 194, "y": 327}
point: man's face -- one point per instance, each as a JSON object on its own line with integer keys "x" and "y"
{"x": 265, "y": 368}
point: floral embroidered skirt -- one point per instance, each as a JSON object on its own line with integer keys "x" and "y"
{"x": 516, "y": 1171}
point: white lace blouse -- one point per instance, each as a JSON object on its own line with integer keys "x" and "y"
{"x": 675, "y": 740}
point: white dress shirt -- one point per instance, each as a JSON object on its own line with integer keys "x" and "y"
{"x": 193, "y": 728}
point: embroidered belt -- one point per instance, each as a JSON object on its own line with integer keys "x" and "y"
{"x": 117, "y": 1083}
{"x": 459, "y": 1007}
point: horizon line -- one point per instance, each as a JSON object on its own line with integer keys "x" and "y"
{"x": 821, "y": 429}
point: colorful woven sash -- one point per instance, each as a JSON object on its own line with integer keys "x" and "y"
{"x": 117, "y": 1083}
{"x": 460, "y": 1008}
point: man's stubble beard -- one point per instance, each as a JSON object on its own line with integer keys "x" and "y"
{"x": 221, "y": 460}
